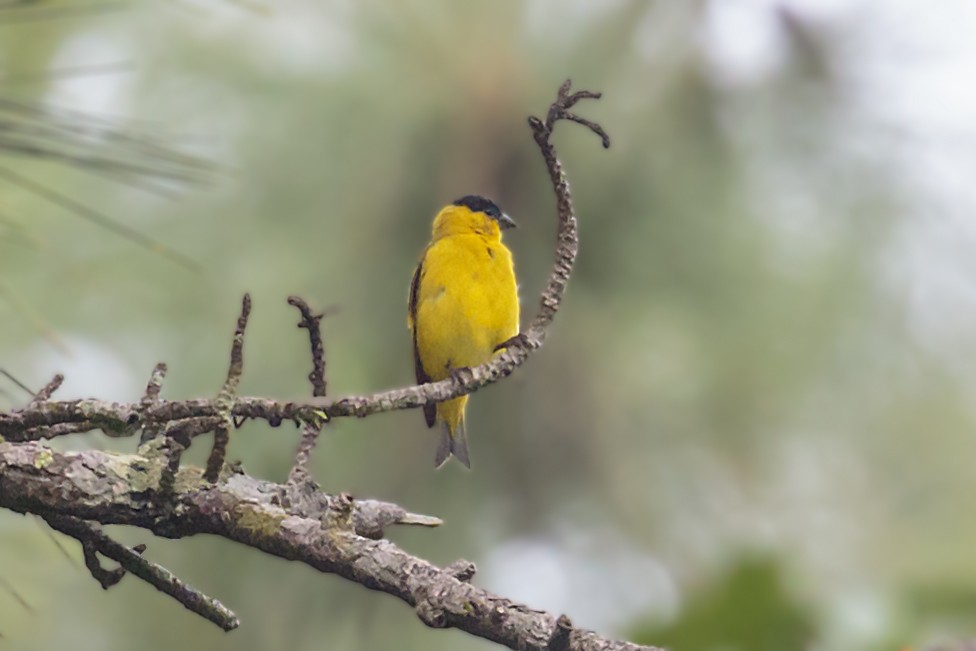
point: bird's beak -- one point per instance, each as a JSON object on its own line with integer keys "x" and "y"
{"x": 505, "y": 222}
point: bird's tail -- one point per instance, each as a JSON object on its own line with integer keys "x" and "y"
{"x": 453, "y": 438}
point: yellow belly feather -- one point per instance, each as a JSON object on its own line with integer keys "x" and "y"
{"x": 467, "y": 305}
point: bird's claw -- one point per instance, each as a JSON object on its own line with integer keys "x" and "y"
{"x": 518, "y": 341}
{"x": 462, "y": 375}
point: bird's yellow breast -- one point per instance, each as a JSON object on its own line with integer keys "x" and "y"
{"x": 467, "y": 302}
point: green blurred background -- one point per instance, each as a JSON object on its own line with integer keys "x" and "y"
{"x": 751, "y": 426}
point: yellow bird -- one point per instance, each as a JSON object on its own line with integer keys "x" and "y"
{"x": 463, "y": 305}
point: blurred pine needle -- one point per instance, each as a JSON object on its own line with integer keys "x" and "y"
{"x": 137, "y": 155}
{"x": 33, "y": 316}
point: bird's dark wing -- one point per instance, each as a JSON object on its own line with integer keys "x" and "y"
{"x": 430, "y": 409}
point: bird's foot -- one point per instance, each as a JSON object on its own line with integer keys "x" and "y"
{"x": 518, "y": 341}
{"x": 462, "y": 375}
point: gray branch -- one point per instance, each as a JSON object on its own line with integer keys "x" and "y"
{"x": 332, "y": 533}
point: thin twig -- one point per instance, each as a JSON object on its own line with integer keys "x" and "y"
{"x": 236, "y": 368}
{"x": 310, "y": 434}
{"x": 177, "y": 438}
{"x": 105, "y": 577}
{"x": 62, "y": 429}
{"x": 150, "y": 397}
{"x": 155, "y": 384}
{"x": 17, "y": 382}
{"x": 560, "y": 111}
{"x": 49, "y": 389}
{"x": 312, "y": 428}
{"x": 215, "y": 462}
{"x": 312, "y": 323}
{"x": 228, "y": 393}
{"x": 131, "y": 561}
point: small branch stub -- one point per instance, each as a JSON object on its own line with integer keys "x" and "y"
{"x": 49, "y": 389}
{"x": 311, "y": 428}
{"x": 150, "y": 398}
{"x": 227, "y": 395}
{"x": 560, "y": 635}
{"x": 462, "y": 570}
{"x": 312, "y": 323}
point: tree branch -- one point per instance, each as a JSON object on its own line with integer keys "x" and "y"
{"x": 334, "y": 534}
{"x": 296, "y": 520}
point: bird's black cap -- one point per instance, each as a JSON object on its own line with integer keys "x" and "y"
{"x": 474, "y": 203}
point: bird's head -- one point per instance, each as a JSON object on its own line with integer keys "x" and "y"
{"x": 471, "y": 214}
